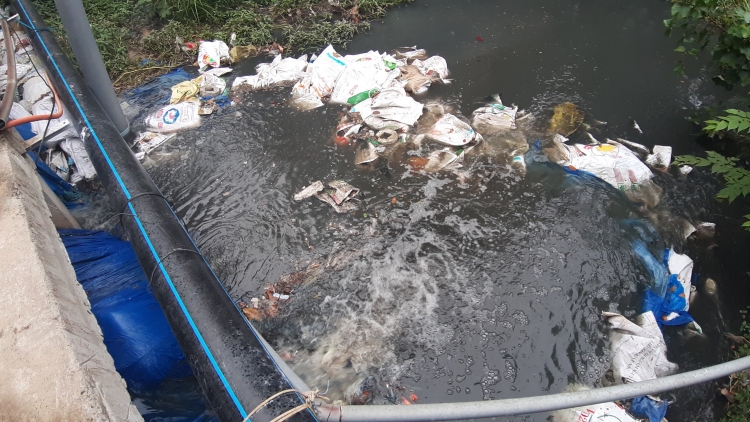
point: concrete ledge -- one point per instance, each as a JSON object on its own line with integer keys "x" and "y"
{"x": 53, "y": 362}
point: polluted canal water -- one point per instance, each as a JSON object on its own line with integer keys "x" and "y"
{"x": 489, "y": 281}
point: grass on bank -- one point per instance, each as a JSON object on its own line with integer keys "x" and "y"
{"x": 137, "y": 38}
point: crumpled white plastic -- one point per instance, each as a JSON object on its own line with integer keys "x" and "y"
{"x": 281, "y": 71}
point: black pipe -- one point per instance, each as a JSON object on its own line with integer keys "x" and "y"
{"x": 232, "y": 366}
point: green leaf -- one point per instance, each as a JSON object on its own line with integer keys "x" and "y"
{"x": 721, "y": 125}
{"x": 734, "y": 124}
{"x": 680, "y": 49}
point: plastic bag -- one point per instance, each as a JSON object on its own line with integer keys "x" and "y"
{"x": 211, "y": 85}
{"x": 654, "y": 266}
{"x": 638, "y": 349}
{"x": 452, "y": 131}
{"x": 184, "y": 91}
{"x": 646, "y": 407}
{"x": 175, "y": 117}
{"x": 211, "y": 53}
{"x": 281, "y": 71}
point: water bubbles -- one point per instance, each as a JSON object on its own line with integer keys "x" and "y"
{"x": 460, "y": 378}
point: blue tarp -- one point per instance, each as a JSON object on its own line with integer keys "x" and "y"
{"x": 136, "y": 332}
{"x": 158, "y": 90}
{"x": 67, "y": 193}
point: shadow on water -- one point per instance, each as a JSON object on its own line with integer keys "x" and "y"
{"x": 479, "y": 284}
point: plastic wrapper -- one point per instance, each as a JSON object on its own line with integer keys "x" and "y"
{"x": 211, "y": 53}
{"x": 174, "y": 117}
{"x": 281, "y": 71}
{"x": 149, "y": 141}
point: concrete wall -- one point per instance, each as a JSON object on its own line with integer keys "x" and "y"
{"x": 53, "y": 363}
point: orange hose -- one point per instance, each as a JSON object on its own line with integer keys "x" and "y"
{"x": 27, "y": 119}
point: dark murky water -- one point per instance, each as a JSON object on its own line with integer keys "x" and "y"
{"x": 486, "y": 285}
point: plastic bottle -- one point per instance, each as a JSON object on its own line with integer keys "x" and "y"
{"x": 358, "y": 98}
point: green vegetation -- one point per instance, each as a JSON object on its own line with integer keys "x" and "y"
{"x": 722, "y": 27}
{"x": 139, "y": 38}
{"x": 737, "y": 390}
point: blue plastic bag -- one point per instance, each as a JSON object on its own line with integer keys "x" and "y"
{"x": 657, "y": 269}
{"x": 672, "y": 302}
{"x": 644, "y": 407}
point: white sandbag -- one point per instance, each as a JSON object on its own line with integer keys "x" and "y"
{"x": 681, "y": 265}
{"x": 303, "y": 97}
{"x": 391, "y": 109}
{"x": 452, "y": 131}
{"x": 17, "y": 111}
{"x": 435, "y": 68}
{"x": 44, "y": 107}
{"x": 34, "y": 90}
{"x": 325, "y": 70}
{"x": 638, "y": 349}
{"x": 277, "y": 73}
{"x": 211, "y": 53}
{"x": 57, "y": 161}
{"x": 21, "y": 71}
{"x": 359, "y": 76}
{"x": 493, "y": 118}
{"x": 615, "y": 164}
{"x": 174, "y": 117}
{"x": 75, "y": 150}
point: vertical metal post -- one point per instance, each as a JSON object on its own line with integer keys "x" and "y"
{"x": 81, "y": 38}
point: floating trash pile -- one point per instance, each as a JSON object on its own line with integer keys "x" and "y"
{"x": 383, "y": 119}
